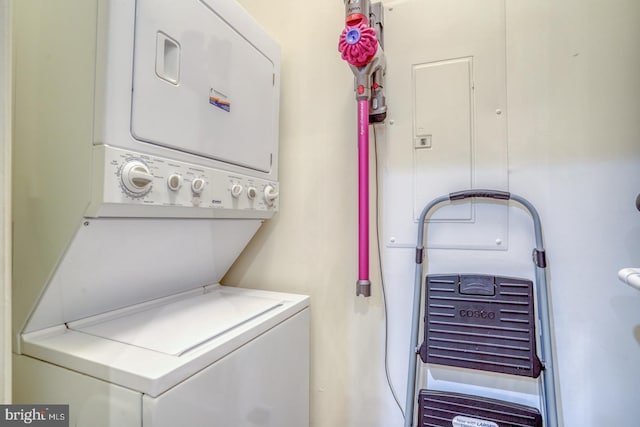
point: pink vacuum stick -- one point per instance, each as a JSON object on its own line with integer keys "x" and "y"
{"x": 363, "y": 193}
{"x": 358, "y": 45}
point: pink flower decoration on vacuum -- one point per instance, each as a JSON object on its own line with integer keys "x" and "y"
{"x": 358, "y": 44}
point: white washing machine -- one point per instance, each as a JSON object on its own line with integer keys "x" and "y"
{"x": 145, "y": 158}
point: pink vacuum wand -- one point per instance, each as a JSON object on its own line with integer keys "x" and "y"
{"x": 359, "y": 46}
{"x": 364, "y": 284}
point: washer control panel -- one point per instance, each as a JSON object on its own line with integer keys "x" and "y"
{"x": 133, "y": 179}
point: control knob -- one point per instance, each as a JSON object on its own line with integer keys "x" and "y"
{"x": 236, "y": 190}
{"x": 197, "y": 185}
{"x": 136, "y": 178}
{"x": 270, "y": 194}
{"x": 252, "y": 192}
{"x": 174, "y": 182}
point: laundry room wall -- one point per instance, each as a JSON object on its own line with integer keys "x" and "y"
{"x": 574, "y": 147}
{"x": 310, "y": 246}
{"x": 572, "y": 126}
{"x": 5, "y": 201}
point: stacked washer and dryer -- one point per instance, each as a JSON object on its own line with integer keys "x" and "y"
{"x": 145, "y": 159}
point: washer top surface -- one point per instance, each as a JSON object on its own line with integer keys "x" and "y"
{"x": 153, "y": 346}
{"x": 183, "y": 325}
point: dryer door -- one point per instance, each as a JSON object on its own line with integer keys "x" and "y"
{"x": 205, "y": 82}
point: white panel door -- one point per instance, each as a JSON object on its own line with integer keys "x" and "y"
{"x": 442, "y": 128}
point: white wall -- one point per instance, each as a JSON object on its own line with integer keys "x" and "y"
{"x": 574, "y": 103}
{"x": 573, "y": 114}
{"x": 5, "y": 198}
{"x": 310, "y": 247}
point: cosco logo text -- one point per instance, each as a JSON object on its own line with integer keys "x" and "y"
{"x": 477, "y": 314}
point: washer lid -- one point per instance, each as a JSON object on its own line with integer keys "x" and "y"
{"x": 151, "y": 331}
{"x": 176, "y": 328}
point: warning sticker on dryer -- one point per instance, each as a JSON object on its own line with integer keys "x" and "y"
{"x": 461, "y": 421}
{"x": 219, "y": 99}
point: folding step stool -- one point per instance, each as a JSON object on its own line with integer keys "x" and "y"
{"x": 486, "y": 323}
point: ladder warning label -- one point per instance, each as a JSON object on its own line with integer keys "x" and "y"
{"x": 461, "y": 421}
